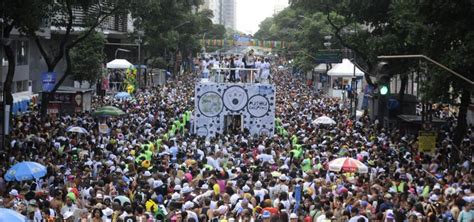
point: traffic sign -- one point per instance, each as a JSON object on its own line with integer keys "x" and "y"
{"x": 426, "y": 141}
{"x": 326, "y": 56}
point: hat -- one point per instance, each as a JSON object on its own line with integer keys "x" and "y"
{"x": 175, "y": 196}
{"x": 246, "y": 188}
{"x": 187, "y": 190}
{"x": 283, "y": 177}
{"x": 434, "y": 198}
{"x": 293, "y": 216}
{"x": 177, "y": 187}
{"x": 266, "y": 214}
{"x": 32, "y": 202}
{"x": 13, "y": 192}
{"x": 204, "y": 186}
{"x": 388, "y": 196}
{"x": 258, "y": 184}
{"x": 147, "y": 174}
{"x": 188, "y": 205}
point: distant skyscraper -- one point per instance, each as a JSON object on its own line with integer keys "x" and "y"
{"x": 224, "y": 12}
{"x": 229, "y": 13}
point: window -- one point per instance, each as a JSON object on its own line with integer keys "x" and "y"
{"x": 21, "y": 52}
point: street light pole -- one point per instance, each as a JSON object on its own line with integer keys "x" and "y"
{"x": 430, "y": 60}
{"x": 121, "y": 50}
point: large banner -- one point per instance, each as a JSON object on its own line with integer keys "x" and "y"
{"x": 243, "y": 42}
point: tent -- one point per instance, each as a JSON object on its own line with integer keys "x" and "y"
{"x": 321, "y": 68}
{"x": 345, "y": 69}
{"x": 119, "y": 64}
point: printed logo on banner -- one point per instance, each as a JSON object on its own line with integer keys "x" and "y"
{"x": 49, "y": 80}
{"x": 210, "y": 104}
{"x": 235, "y": 98}
{"x": 258, "y": 106}
{"x": 202, "y": 131}
{"x": 264, "y": 90}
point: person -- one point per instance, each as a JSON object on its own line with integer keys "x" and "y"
{"x": 467, "y": 214}
{"x": 68, "y": 209}
{"x": 205, "y": 68}
{"x": 232, "y": 65}
{"x": 249, "y": 63}
{"x": 265, "y": 71}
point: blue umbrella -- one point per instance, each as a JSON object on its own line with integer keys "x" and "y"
{"x": 123, "y": 95}
{"x": 25, "y": 171}
{"x": 7, "y": 215}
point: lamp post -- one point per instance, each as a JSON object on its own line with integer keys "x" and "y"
{"x": 120, "y": 50}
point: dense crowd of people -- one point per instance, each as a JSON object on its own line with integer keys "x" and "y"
{"x": 150, "y": 167}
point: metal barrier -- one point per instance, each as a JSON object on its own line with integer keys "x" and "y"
{"x": 221, "y": 78}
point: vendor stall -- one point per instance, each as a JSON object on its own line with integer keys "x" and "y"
{"x": 344, "y": 76}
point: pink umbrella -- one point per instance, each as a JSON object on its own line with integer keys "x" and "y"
{"x": 346, "y": 164}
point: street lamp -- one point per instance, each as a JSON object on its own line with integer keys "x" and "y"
{"x": 121, "y": 50}
{"x": 327, "y": 42}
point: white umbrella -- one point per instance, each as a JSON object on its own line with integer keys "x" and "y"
{"x": 119, "y": 64}
{"x": 77, "y": 129}
{"x": 324, "y": 120}
{"x": 346, "y": 164}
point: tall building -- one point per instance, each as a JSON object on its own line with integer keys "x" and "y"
{"x": 229, "y": 13}
{"x": 224, "y": 12}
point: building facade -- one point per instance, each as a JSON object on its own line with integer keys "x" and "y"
{"x": 224, "y": 12}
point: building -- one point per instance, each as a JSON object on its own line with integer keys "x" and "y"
{"x": 229, "y": 9}
{"x": 224, "y": 12}
{"x": 30, "y": 64}
{"x": 215, "y": 6}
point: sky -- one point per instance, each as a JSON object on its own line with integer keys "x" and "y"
{"x": 251, "y": 12}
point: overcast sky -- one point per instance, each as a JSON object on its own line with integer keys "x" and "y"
{"x": 251, "y": 12}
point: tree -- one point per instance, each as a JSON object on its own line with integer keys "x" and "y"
{"x": 88, "y": 57}
{"x": 18, "y": 14}
{"x": 170, "y": 25}
{"x": 63, "y": 15}
{"x": 439, "y": 29}
{"x": 265, "y": 29}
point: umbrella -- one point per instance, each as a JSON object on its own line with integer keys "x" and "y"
{"x": 7, "y": 215}
{"x": 123, "y": 95}
{"x": 108, "y": 111}
{"x": 25, "y": 171}
{"x": 346, "y": 164}
{"x": 324, "y": 120}
{"x": 122, "y": 200}
{"x": 77, "y": 129}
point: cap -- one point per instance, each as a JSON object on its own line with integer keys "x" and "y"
{"x": 13, "y": 192}
{"x": 266, "y": 214}
{"x": 293, "y": 216}
{"x": 246, "y": 188}
{"x": 388, "y": 196}
{"x": 258, "y": 184}
{"x": 204, "y": 186}
{"x": 147, "y": 173}
{"x": 175, "y": 196}
{"x": 188, "y": 205}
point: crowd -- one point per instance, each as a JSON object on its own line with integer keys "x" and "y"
{"x": 143, "y": 170}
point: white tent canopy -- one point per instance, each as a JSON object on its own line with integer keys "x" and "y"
{"x": 345, "y": 69}
{"x": 119, "y": 64}
{"x": 320, "y": 68}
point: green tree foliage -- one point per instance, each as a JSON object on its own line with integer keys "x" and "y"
{"x": 439, "y": 29}
{"x": 88, "y": 58}
{"x": 18, "y": 14}
{"x": 170, "y": 24}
